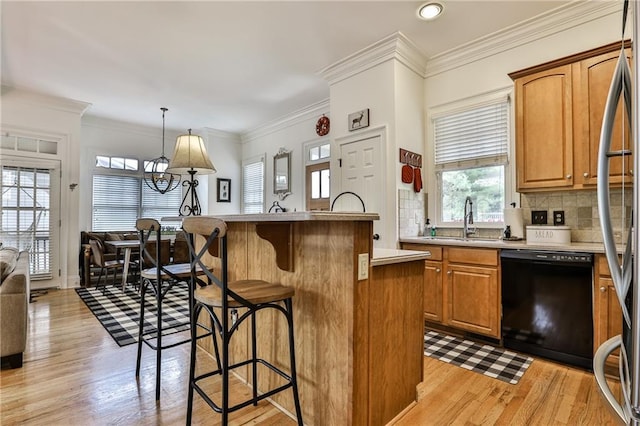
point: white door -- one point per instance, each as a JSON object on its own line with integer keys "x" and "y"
{"x": 31, "y": 215}
{"x": 362, "y": 173}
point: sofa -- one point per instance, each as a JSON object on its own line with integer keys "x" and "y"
{"x": 14, "y": 304}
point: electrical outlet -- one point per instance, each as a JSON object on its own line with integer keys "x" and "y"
{"x": 558, "y": 217}
{"x": 538, "y": 217}
{"x": 363, "y": 266}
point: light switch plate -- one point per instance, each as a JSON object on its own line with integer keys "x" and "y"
{"x": 363, "y": 266}
{"x": 538, "y": 217}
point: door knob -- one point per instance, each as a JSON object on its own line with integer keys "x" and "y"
{"x": 603, "y": 289}
{"x": 376, "y": 236}
{"x": 568, "y": 176}
{"x": 438, "y": 270}
{"x": 585, "y": 174}
{"x": 448, "y": 272}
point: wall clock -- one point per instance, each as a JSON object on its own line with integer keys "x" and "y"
{"x": 322, "y": 126}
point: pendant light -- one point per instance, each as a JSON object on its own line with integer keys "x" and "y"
{"x": 155, "y": 172}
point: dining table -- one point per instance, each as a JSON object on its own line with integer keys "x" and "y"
{"x": 126, "y": 246}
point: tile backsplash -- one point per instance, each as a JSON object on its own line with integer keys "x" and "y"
{"x": 580, "y": 211}
{"x": 411, "y": 212}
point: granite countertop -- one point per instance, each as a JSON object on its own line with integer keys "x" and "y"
{"x": 383, "y": 256}
{"x": 288, "y": 217}
{"x": 500, "y": 244}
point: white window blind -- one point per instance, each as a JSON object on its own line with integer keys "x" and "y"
{"x": 116, "y": 200}
{"x": 157, "y": 205}
{"x": 478, "y": 133}
{"x": 253, "y": 186}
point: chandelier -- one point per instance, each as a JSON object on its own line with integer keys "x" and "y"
{"x": 155, "y": 175}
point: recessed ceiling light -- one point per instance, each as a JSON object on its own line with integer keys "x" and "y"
{"x": 430, "y": 11}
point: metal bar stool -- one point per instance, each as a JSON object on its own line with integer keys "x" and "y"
{"x": 158, "y": 279}
{"x": 227, "y": 297}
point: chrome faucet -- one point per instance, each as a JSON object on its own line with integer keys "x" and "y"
{"x": 468, "y": 218}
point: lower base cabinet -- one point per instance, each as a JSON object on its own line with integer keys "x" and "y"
{"x": 462, "y": 288}
{"x": 607, "y": 313}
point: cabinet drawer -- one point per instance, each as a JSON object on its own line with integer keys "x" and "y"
{"x": 473, "y": 256}
{"x": 434, "y": 252}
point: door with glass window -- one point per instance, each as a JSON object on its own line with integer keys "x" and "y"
{"x": 30, "y": 215}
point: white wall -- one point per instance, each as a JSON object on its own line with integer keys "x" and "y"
{"x": 290, "y": 133}
{"x": 225, "y": 151}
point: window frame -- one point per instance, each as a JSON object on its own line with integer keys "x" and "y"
{"x": 141, "y": 188}
{"x": 247, "y": 162}
{"x": 463, "y": 105}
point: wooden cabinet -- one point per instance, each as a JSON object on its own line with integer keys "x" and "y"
{"x": 594, "y": 78}
{"x": 559, "y": 107}
{"x": 462, "y": 288}
{"x": 473, "y": 290}
{"x": 544, "y": 131}
{"x": 607, "y": 313}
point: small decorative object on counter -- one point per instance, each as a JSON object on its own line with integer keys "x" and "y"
{"x": 507, "y": 232}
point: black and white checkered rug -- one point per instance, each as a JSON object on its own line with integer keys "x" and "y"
{"x": 119, "y": 312}
{"x": 485, "y": 359}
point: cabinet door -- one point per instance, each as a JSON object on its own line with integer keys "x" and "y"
{"x": 544, "y": 130}
{"x": 608, "y": 315}
{"x": 592, "y": 79}
{"x": 473, "y": 299}
{"x": 433, "y": 291}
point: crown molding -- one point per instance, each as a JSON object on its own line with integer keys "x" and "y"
{"x": 543, "y": 25}
{"x": 310, "y": 112}
{"x": 395, "y": 46}
{"x": 213, "y": 134}
{"x": 34, "y": 98}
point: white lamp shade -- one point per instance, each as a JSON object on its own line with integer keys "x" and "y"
{"x": 190, "y": 154}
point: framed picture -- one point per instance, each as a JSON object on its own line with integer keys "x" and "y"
{"x": 359, "y": 120}
{"x": 224, "y": 190}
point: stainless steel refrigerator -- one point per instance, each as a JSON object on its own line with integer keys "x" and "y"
{"x": 624, "y": 272}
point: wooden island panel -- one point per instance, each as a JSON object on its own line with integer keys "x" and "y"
{"x": 350, "y": 335}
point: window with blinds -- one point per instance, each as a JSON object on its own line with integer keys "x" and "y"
{"x": 475, "y": 136}
{"x": 114, "y": 212}
{"x": 253, "y": 185}
{"x": 471, "y": 155}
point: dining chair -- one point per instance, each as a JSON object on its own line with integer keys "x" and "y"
{"x": 97, "y": 249}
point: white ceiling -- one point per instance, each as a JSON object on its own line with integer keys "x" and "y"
{"x": 228, "y": 66}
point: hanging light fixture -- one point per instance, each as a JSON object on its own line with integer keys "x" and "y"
{"x": 155, "y": 172}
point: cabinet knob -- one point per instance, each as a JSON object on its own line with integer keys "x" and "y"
{"x": 438, "y": 270}
{"x": 585, "y": 174}
{"x": 568, "y": 176}
{"x": 631, "y": 172}
{"x": 603, "y": 289}
{"x": 448, "y": 272}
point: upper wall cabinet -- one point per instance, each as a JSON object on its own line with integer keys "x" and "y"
{"x": 559, "y": 108}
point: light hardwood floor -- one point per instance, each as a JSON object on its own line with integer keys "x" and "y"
{"x": 75, "y": 374}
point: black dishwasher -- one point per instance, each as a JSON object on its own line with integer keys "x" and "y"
{"x": 547, "y": 304}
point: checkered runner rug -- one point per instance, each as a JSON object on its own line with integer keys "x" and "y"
{"x": 485, "y": 359}
{"x": 119, "y": 312}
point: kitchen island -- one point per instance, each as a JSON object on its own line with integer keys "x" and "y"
{"x": 358, "y": 318}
